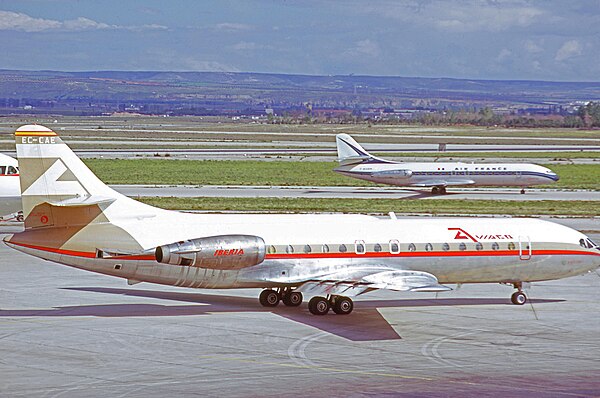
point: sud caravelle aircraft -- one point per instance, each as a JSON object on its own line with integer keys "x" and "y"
{"x": 72, "y": 218}
{"x": 10, "y": 192}
{"x": 356, "y": 162}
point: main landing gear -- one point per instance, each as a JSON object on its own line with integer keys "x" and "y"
{"x": 438, "y": 190}
{"x": 518, "y": 297}
{"x": 522, "y": 191}
{"x": 317, "y": 305}
{"x": 271, "y": 298}
{"x": 341, "y": 305}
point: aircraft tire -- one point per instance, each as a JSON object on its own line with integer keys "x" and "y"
{"x": 318, "y": 305}
{"x": 292, "y": 299}
{"x": 518, "y": 298}
{"x": 343, "y": 305}
{"x": 269, "y": 298}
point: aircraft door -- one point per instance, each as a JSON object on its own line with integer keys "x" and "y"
{"x": 524, "y": 247}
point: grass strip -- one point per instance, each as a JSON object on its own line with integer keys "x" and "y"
{"x": 283, "y": 173}
{"x": 383, "y": 206}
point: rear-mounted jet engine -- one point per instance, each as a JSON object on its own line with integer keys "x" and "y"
{"x": 224, "y": 252}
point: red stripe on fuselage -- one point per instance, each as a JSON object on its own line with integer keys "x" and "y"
{"x": 290, "y": 256}
{"x": 83, "y": 254}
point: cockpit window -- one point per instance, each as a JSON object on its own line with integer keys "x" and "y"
{"x": 587, "y": 243}
{"x": 2, "y": 169}
{"x": 12, "y": 170}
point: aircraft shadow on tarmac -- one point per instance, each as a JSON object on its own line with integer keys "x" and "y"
{"x": 364, "y": 324}
{"x": 418, "y": 193}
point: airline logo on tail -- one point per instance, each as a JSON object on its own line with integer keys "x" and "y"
{"x": 57, "y": 180}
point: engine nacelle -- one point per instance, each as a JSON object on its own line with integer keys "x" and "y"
{"x": 393, "y": 174}
{"x": 215, "y": 252}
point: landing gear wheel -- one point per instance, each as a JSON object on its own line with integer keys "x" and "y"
{"x": 435, "y": 190}
{"x": 343, "y": 305}
{"x": 518, "y": 298}
{"x": 522, "y": 191}
{"x": 318, "y": 305}
{"x": 269, "y": 298}
{"x": 442, "y": 190}
{"x": 292, "y": 299}
{"x": 20, "y": 218}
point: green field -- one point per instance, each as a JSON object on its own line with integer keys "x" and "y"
{"x": 381, "y": 206}
{"x": 284, "y": 173}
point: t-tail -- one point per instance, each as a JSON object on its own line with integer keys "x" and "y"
{"x": 350, "y": 152}
{"x": 58, "y": 189}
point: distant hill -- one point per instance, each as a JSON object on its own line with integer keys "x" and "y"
{"x": 221, "y": 91}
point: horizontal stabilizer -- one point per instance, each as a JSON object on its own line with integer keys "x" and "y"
{"x": 82, "y": 201}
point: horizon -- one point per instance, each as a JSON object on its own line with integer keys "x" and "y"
{"x": 301, "y": 74}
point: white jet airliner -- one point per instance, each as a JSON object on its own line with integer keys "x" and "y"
{"x": 72, "y": 218}
{"x": 358, "y": 163}
{"x": 10, "y": 192}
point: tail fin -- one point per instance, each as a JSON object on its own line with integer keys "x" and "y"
{"x": 53, "y": 177}
{"x": 350, "y": 152}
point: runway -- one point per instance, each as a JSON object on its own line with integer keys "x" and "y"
{"x": 226, "y": 191}
{"x": 65, "y": 332}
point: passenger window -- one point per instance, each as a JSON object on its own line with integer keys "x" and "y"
{"x": 428, "y": 247}
{"x": 445, "y": 247}
{"x": 307, "y": 249}
{"x": 289, "y": 249}
{"x": 342, "y": 249}
{"x": 495, "y": 246}
{"x": 359, "y": 247}
{"x": 478, "y": 246}
{"x": 377, "y": 248}
{"x": 325, "y": 249}
{"x": 412, "y": 247}
{"x": 462, "y": 247}
{"x": 395, "y": 247}
{"x": 272, "y": 250}
{"x": 511, "y": 246}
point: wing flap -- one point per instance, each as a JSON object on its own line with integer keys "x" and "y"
{"x": 412, "y": 281}
{"x": 442, "y": 183}
{"x": 359, "y": 281}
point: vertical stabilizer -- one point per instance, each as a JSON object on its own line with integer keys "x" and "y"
{"x": 350, "y": 152}
{"x": 53, "y": 176}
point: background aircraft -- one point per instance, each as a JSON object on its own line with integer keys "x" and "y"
{"x": 358, "y": 163}
{"x": 10, "y": 191}
{"x": 72, "y": 218}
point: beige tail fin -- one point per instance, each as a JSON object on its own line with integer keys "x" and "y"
{"x": 53, "y": 177}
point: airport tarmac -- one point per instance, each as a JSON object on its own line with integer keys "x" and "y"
{"x": 71, "y": 333}
{"x": 228, "y": 191}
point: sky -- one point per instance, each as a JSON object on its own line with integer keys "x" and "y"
{"x": 509, "y": 40}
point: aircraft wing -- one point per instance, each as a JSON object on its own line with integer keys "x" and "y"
{"x": 354, "y": 282}
{"x": 442, "y": 183}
